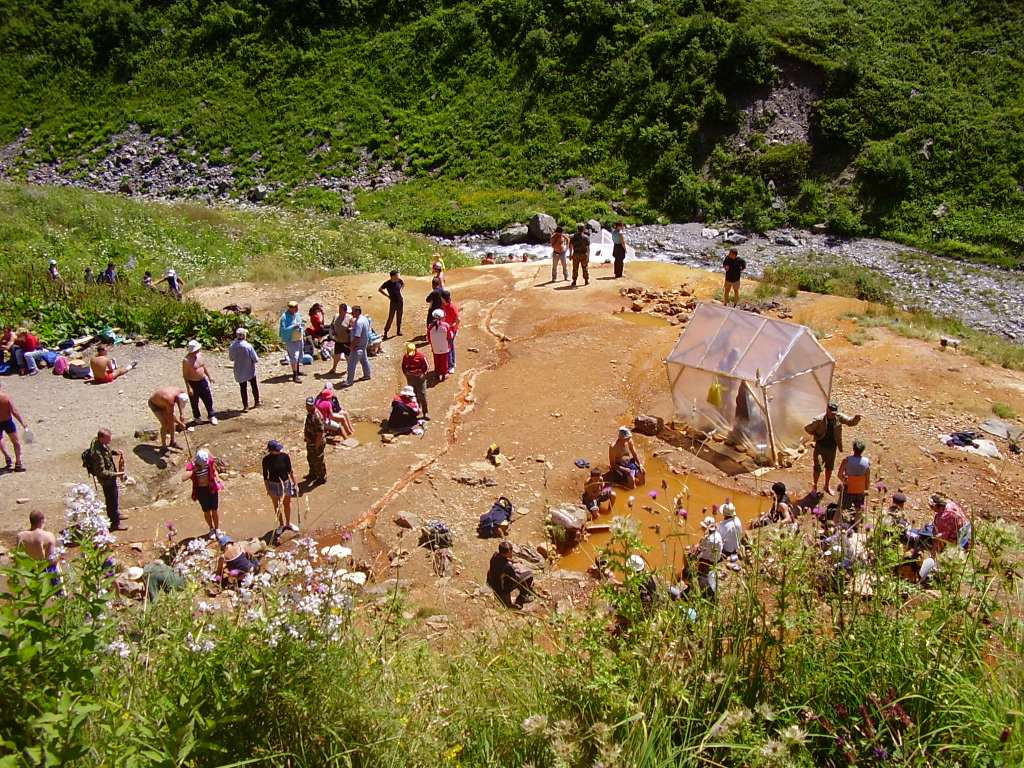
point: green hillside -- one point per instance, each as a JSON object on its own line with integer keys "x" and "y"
{"x": 915, "y": 127}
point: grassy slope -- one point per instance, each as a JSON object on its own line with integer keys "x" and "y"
{"x": 511, "y": 96}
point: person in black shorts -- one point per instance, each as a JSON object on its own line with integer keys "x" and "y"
{"x": 280, "y": 483}
{"x": 392, "y": 288}
{"x": 734, "y": 267}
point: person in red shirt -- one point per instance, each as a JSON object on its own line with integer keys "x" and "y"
{"x": 414, "y": 366}
{"x": 27, "y": 351}
{"x": 451, "y": 316}
{"x": 316, "y": 328}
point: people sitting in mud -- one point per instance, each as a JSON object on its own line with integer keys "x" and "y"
{"x": 104, "y": 368}
{"x": 336, "y": 419}
{"x": 317, "y": 328}
{"x": 168, "y": 405}
{"x": 950, "y": 523}
{"x": 782, "y": 509}
{"x": 731, "y": 531}
{"x": 505, "y": 577}
{"x": 405, "y": 411}
{"x": 39, "y": 544}
{"x": 341, "y": 330}
{"x": 708, "y": 551}
{"x": 439, "y": 333}
{"x": 626, "y": 469}
{"x": 234, "y": 563}
{"x": 598, "y": 496}
{"x": 206, "y": 487}
{"x": 827, "y": 432}
{"x": 855, "y": 476}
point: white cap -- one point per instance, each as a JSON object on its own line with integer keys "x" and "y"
{"x": 202, "y": 456}
{"x": 182, "y": 397}
{"x": 636, "y": 563}
{"x": 707, "y": 523}
{"x": 53, "y": 262}
{"x": 625, "y": 432}
{"x": 193, "y": 346}
{"x": 437, "y": 313}
{"x": 407, "y": 392}
{"x": 134, "y": 573}
{"x": 171, "y": 273}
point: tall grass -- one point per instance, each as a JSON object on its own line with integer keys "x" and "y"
{"x": 790, "y": 667}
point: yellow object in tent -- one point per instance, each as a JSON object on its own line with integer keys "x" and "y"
{"x": 715, "y": 393}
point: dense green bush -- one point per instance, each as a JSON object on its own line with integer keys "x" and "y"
{"x": 823, "y": 274}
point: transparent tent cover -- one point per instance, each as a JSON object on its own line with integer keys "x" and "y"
{"x": 756, "y": 381}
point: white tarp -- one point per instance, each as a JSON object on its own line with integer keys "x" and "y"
{"x": 756, "y": 380}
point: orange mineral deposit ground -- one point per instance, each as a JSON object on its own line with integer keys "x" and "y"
{"x": 546, "y": 372}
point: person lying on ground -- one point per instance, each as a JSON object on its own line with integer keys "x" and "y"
{"x": 505, "y": 577}
{"x": 280, "y": 484}
{"x": 827, "y": 432}
{"x": 414, "y": 366}
{"x": 39, "y": 544}
{"x": 8, "y": 415}
{"x": 206, "y": 487}
{"x": 104, "y": 368}
{"x": 598, "y": 497}
{"x": 626, "y": 468}
{"x": 168, "y": 405}
{"x": 405, "y": 411}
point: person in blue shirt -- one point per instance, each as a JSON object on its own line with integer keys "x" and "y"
{"x": 359, "y": 340}
{"x": 291, "y": 329}
{"x": 244, "y": 357}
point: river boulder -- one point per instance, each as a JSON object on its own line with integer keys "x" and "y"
{"x": 514, "y": 234}
{"x": 541, "y": 227}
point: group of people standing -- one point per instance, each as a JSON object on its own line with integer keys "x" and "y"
{"x": 577, "y": 248}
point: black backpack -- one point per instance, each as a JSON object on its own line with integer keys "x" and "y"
{"x": 490, "y": 522}
{"x": 87, "y": 461}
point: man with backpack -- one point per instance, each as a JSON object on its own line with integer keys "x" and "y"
{"x": 99, "y": 460}
{"x": 315, "y": 435}
{"x": 580, "y": 254}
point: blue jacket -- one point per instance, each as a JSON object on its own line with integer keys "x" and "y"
{"x": 289, "y": 322}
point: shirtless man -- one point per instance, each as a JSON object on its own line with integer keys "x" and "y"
{"x": 39, "y": 544}
{"x": 8, "y": 414}
{"x": 104, "y": 368}
{"x": 162, "y": 403}
{"x": 598, "y": 497}
{"x": 624, "y": 461}
{"x": 197, "y": 381}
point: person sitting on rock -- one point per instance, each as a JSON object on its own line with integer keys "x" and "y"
{"x": 405, "y": 411}
{"x": 782, "y": 509}
{"x": 626, "y": 468}
{"x": 335, "y": 423}
{"x": 505, "y": 577}
{"x": 598, "y": 496}
{"x": 104, "y": 368}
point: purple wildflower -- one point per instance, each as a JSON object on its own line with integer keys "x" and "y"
{"x": 880, "y": 753}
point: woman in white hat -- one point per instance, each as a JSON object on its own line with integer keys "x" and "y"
{"x": 439, "y": 333}
{"x": 405, "y": 411}
{"x": 708, "y": 552}
{"x": 175, "y": 285}
{"x": 197, "y": 381}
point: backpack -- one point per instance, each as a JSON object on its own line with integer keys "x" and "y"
{"x": 87, "y": 461}
{"x": 78, "y": 372}
{"x": 490, "y": 522}
{"x": 435, "y": 535}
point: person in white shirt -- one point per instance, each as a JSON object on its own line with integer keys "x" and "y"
{"x": 731, "y": 531}
{"x": 708, "y": 552}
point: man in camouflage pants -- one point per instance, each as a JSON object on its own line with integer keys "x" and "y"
{"x": 316, "y": 439}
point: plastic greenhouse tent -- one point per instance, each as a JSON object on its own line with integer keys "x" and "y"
{"x": 755, "y": 380}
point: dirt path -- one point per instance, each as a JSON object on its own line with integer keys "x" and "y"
{"x": 555, "y": 371}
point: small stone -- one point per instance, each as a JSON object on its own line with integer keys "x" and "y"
{"x": 407, "y": 520}
{"x": 136, "y": 545}
{"x": 22, "y": 501}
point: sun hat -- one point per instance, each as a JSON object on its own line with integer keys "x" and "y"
{"x": 625, "y": 432}
{"x": 728, "y": 509}
{"x": 202, "y": 456}
{"x": 134, "y": 573}
{"x": 293, "y": 304}
{"x": 241, "y": 333}
{"x": 833, "y": 407}
{"x": 636, "y": 563}
{"x": 707, "y": 523}
{"x": 53, "y": 262}
{"x": 410, "y": 348}
{"x": 171, "y": 273}
{"x": 311, "y": 401}
{"x": 193, "y": 346}
{"x": 274, "y": 445}
{"x": 437, "y": 313}
{"x": 407, "y": 391}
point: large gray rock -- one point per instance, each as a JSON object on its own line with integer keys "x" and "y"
{"x": 514, "y": 234}
{"x": 594, "y": 225}
{"x": 541, "y": 227}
